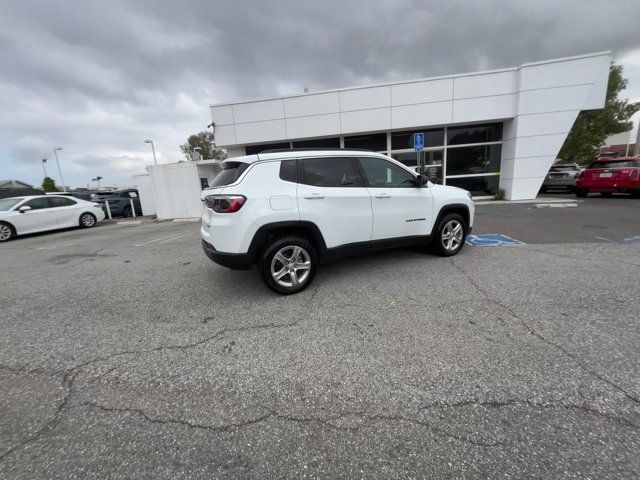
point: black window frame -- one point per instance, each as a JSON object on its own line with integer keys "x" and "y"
{"x": 365, "y": 179}
{"x": 358, "y": 179}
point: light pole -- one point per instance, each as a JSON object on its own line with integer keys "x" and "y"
{"x": 55, "y": 152}
{"x": 153, "y": 150}
{"x": 44, "y": 160}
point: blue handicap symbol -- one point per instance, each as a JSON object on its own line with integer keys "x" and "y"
{"x": 492, "y": 240}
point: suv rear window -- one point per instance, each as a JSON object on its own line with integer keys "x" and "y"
{"x": 231, "y": 171}
{"x": 615, "y": 164}
{"x": 564, "y": 168}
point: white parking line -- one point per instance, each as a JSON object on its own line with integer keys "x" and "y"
{"x": 175, "y": 238}
{"x": 53, "y": 247}
{"x": 158, "y": 241}
{"x": 605, "y": 239}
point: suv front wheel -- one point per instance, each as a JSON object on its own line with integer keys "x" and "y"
{"x": 288, "y": 265}
{"x": 450, "y": 235}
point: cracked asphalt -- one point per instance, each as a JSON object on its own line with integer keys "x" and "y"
{"x": 149, "y": 361}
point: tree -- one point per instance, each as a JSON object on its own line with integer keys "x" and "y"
{"x": 592, "y": 127}
{"x": 97, "y": 179}
{"x": 49, "y": 185}
{"x": 204, "y": 142}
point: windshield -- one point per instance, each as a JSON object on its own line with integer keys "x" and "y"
{"x": 8, "y": 203}
{"x": 615, "y": 164}
{"x": 231, "y": 171}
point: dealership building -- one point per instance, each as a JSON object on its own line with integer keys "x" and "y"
{"x": 483, "y": 131}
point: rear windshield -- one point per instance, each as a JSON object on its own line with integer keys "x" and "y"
{"x": 563, "y": 168}
{"x": 231, "y": 171}
{"x": 615, "y": 164}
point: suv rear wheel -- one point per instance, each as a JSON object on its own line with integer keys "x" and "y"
{"x": 288, "y": 265}
{"x": 450, "y": 235}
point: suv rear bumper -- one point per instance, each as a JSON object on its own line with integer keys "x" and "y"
{"x": 234, "y": 261}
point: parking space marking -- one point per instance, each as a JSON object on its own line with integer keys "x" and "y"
{"x": 603, "y": 238}
{"x": 630, "y": 239}
{"x": 53, "y": 247}
{"x": 161, "y": 240}
{"x": 492, "y": 240}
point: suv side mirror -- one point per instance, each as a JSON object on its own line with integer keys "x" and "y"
{"x": 24, "y": 208}
{"x": 420, "y": 180}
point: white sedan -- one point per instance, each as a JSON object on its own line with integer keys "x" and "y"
{"x": 39, "y": 213}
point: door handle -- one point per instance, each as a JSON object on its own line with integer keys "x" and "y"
{"x": 313, "y": 196}
{"x": 383, "y": 195}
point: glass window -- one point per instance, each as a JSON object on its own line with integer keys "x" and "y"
{"x": 615, "y": 164}
{"x": 474, "y": 134}
{"x": 564, "y": 168}
{"x": 410, "y": 159}
{"x": 231, "y": 171}
{"x": 382, "y": 173}
{"x": 253, "y": 149}
{"x": 8, "y": 203}
{"x": 61, "y": 201}
{"x": 289, "y": 170}
{"x": 478, "y": 186}
{"x": 37, "y": 203}
{"x": 403, "y": 140}
{"x": 470, "y": 160}
{"x": 328, "y": 172}
{"x": 318, "y": 143}
{"x": 376, "y": 142}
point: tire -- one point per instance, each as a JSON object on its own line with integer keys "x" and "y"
{"x": 636, "y": 193}
{"x": 7, "y": 232}
{"x": 445, "y": 242}
{"x": 276, "y": 259}
{"x": 126, "y": 212}
{"x": 582, "y": 192}
{"x": 605, "y": 194}
{"x": 87, "y": 220}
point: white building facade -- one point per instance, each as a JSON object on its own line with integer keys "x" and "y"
{"x": 483, "y": 131}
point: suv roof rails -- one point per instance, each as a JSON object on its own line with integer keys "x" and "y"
{"x": 317, "y": 149}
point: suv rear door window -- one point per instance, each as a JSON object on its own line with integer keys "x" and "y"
{"x": 231, "y": 171}
{"x": 328, "y": 172}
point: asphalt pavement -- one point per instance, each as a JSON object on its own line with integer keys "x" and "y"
{"x": 126, "y": 353}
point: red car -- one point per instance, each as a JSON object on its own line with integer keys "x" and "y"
{"x": 610, "y": 175}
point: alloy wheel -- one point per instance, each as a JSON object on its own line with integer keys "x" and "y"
{"x": 5, "y": 232}
{"x": 452, "y": 235}
{"x": 88, "y": 220}
{"x": 291, "y": 266}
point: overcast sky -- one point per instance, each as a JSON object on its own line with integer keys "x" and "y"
{"x": 98, "y": 77}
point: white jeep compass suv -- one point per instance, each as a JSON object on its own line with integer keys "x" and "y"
{"x": 289, "y": 211}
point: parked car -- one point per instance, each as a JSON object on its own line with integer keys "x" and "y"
{"x": 609, "y": 175}
{"x": 289, "y": 211}
{"x": 561, "y": 176}
{"x": 120, "y": 202}
{"x": 38, "y": 213}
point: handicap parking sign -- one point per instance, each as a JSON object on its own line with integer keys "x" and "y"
{"x": 418, "y": 142}
{"x": 492, "y": 240}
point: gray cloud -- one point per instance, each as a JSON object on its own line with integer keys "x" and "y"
{"x": 99, "y": 77}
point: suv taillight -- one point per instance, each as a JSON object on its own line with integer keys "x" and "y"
{"x": 225, "y": 203}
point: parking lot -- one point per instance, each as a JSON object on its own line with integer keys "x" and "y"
{"x": 126, "y": 353}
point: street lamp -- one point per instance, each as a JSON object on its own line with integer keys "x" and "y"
{"x": 153, "y": 150}
{"x": 55, "y": 152}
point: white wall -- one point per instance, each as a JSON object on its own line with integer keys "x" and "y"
{"x": 538, "y": 102}
{"x": 145, "y": 190}
{"x": 176, "y": 188}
